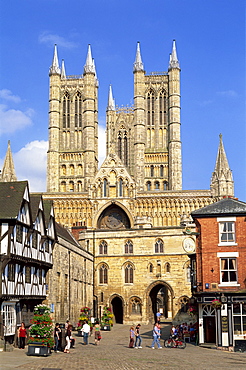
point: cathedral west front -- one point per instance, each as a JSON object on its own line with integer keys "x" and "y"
{"x": 131, "y": 213}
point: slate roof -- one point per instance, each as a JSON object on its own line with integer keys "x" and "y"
{"x": 11, "y": 196}
{"x": 224, "y": 207}
{"x": 66, "y": 235}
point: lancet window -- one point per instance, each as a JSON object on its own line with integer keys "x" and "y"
{"x": 159, "y": 246}
{"x": 66, "y": 111}
{"x": 150, "y": 108}
{"x": 123, "y": 146}
{"x": 103, "y": 274}
{"x": 129, "y": 246}
{"x": 78, "y": 110}
{"x": 128, "y": 273}
{"x": 162, "y": 108}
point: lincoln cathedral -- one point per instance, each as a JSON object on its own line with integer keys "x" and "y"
{"x": 131, "y": 213}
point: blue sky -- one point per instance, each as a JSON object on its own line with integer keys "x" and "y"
{"x": 210, "y": 39}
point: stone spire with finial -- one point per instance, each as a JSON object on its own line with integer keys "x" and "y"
{"x": 222, "y": 183}
{"x": 8, "y": 172}
{"x": 55, "y": 69}
{"x": 89, "y": 64}
{"x": 138, "y": 64}
{"x": 173, "y": 62}
{"x": 111, "y": 102}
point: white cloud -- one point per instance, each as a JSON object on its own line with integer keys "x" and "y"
{"x": 12, "y": 120}
{"x": 228, "y": 93}
{"x": 30, "y": 164}
{"x": 51, "y": 39}
{"x": 7, "y": 95}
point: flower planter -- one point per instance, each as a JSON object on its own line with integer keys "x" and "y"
{"x": 37, "y": 349}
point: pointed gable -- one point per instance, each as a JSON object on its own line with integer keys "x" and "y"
{"x": 12, "y": 195}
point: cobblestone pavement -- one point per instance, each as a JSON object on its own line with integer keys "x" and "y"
{"x": 113, "y": 353}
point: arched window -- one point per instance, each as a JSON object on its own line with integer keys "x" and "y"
{"x": 66, "y": 111}
{"x": 167, "y": 267}
{"x": 148, "y": 185}
{"x": 128, "y": 247}
{"x": 63, "y": 169}
{"x": 105, "y": 183}
{"x": 79, "y": 185}
{"x": 71, "y": 169}
{"x": 150, "y": 108}
{"x": 120, "y": 184}
{"x": 162, "y": 107}
{"x": 78, "y": 110}
{"x": 159, "y": 246}
{"x": 135, "y": 305}
{"x": 157, "y": 185}
{"x": 71, "y": 186}
{"x": 103, "y": 274}
{"x": 63, "y": 186}
{"x": 123, "y": 145}
{"x": 128, "y": 274}
{"x": 103, "y": 247}
{"x": 161, "y": 170}
{"x": 151, "y": 268}
{"x": 152, "y": 171}
{"x": 165, "y": 185}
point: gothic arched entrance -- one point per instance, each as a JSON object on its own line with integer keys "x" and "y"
{"x": 160, "y": 295}
{"x": 117, "y": 306}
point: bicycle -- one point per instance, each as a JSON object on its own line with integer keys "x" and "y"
{"x": 174, "y": 343}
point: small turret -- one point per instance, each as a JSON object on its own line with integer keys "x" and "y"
{"x": 89, "y": 64}
{"x": 173, "y": 62}
{"x": 111, "y": 101}
{"x": 138, "y": 64}
{"x": 63, "y": 72}
{"x": 8, "y": 172}
{"x": 55, "y": 69}
{"x": 222, "y": 183}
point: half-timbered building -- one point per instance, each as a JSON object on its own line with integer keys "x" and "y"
{"x": 26, "y": 243}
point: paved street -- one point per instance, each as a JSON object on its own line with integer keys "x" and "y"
{"x": 113, "y": 353}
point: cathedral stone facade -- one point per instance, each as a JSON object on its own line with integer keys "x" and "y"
{"x": 131, "y": 213}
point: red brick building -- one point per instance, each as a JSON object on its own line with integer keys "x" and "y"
{"x": 219, "y": 279}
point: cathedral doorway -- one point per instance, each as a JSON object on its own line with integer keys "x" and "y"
{"x": 117, "y": 306}
{"x": 160, "y": 296}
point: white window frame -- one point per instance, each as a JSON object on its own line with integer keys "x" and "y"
{"x": 222, "y": 221}
{"x": 8, "y": 314}
{"x": 241, "y": 315}
{"x": 227, "y": 255}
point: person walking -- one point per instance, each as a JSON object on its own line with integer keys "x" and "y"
{"x": 57, "y": 331}
{"x": 156, "y": 336}
{"x": 97, "y": 333}
{"x": 86, "y": 330}
{"x": 22, "y": 335}
{"x": 68, "y": 339}
{"x": 132, "y": 334}
{"x": 138, "y": 339}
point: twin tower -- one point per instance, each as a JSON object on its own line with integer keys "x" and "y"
{"x": 144, "y": 137}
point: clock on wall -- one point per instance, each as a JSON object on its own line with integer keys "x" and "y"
{"x": 189, "y": 245}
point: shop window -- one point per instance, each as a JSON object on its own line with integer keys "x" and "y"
{"x": 239, "y": 318}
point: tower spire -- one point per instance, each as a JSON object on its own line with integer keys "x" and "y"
{"x": 138, "y": 64}
{"x": 111, "y": 102}
{"x": 89, "y": 64}
{"x": 63, "y": 72}
{"x": 8, "y": 173}
{"x": 222, "y": 183}
{"x": 173, "y": 62}
{"x": 55, "y": 64}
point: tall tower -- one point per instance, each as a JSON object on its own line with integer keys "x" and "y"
{"x": 174, "y": 142}
{"x": 222, "y": 183}
{"x": 73, "y": 127}
{"x": 8, "y": 172}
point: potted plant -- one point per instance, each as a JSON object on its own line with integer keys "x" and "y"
{"x": 107, "y": 318}
{"x": 41, "y": 331}
{"x": 85, "y": 315}
{"x": 216, "y": 303}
